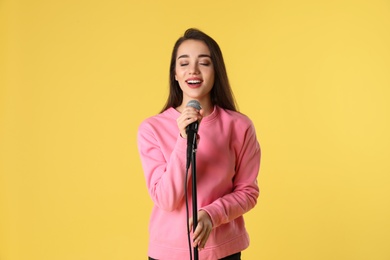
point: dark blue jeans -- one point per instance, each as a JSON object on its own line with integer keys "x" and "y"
{"x": 230, "y": 257}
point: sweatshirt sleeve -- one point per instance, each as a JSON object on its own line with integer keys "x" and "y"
{"x": 245, "y": 188}
{"x": 164, "y": 171}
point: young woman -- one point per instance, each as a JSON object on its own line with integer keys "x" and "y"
{"x": 227, "y": 158}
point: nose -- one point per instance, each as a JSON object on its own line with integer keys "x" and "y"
{"x": 194, "y": 69}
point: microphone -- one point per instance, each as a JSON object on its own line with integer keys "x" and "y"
{"x": 192, "y": 130}
{"x": 193, "y": 127}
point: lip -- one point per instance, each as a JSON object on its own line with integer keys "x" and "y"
{"x": 192, "y": 85}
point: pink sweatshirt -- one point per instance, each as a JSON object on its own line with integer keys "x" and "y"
{"x": 227, "y": 165}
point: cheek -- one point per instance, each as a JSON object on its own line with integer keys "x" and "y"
{"x": 177, "y": 75}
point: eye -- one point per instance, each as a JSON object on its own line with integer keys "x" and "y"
{"x": 183, "y": 64}
{"x": 205, "y": 62}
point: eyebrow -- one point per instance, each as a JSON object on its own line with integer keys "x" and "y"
{"x": 200, "y": 56}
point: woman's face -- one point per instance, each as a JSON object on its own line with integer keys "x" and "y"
{"x": 194, "y": 71}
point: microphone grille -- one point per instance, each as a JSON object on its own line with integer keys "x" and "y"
{"x": 195, "y": 104}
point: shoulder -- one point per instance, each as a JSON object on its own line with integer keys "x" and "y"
{"x": 158, "y": 120}
{"x": 235, "y": 117}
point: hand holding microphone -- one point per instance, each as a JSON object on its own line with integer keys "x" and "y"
{"x": 188, "y": 121}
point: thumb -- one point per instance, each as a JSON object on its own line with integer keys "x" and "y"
{"x": 201, "y": 111}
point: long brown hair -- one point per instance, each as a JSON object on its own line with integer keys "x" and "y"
{"x": 221, "y": 94}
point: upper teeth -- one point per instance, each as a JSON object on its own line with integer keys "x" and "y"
{"x": 193, "y": 81}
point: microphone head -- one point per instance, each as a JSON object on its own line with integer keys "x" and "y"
{"x": 195, "y": 104}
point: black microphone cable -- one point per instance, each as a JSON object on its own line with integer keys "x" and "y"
{"x": 187, "y": 211}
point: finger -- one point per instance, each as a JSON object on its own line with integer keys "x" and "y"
{"x": 185, "y": 120}
{"x": 192, "y": 112}
{"x": 201, "y": 112}
{"x": 182, "y": 122}
{"x": 200, "y": 235}
{"x": 188, "y": 118}
{"x": 198, "y": 231}
{"x": 206, "y": 225}
{"x": 183, "y": 126}
{"x": 204, "y": 240}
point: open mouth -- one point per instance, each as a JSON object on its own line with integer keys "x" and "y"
{"x": 194, "y": 82}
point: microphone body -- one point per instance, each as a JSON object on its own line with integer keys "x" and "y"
{"x": 193, "y": 127}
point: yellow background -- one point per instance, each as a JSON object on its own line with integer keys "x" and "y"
{"x": 77, "y": 78}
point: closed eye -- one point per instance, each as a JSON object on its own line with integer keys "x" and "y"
{"x": 205, "y": 62}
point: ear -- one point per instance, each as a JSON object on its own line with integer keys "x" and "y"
{"x": 175, "y": 77}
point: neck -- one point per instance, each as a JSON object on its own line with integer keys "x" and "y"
{"x": 207, "y": 109}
